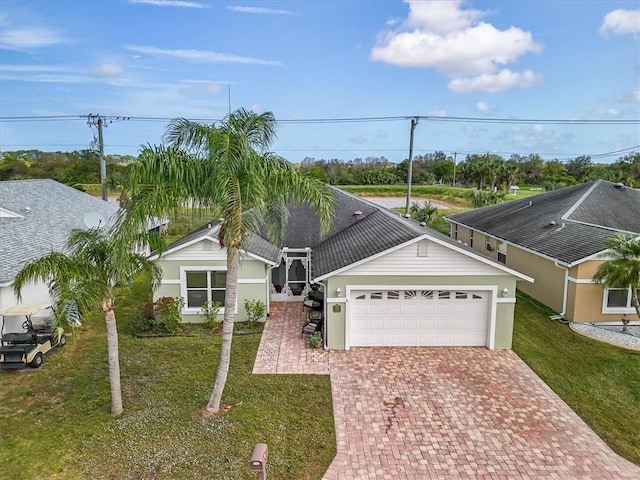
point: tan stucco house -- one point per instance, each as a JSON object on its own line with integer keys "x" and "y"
{"x": 384, "y": 280}
{"x": 558, "y": 238}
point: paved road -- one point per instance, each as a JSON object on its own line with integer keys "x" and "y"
{"x": 400, "y": 202}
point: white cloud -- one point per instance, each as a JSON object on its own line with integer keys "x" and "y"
{"x": 171, "y": 3}
{"x": 29, "y": 68}
{"x": 632, "y": 96}
{"x": 493, "y": 83}
{"x": 201, "y": 56}
{"x": 107, "y": 69}
{"x": 537, "y": 128}
{"x": 619, "y": 22}
{"x": 445, "y": 36}
{"x": 441, "y": 17}
{"x": 260, "y": 10}
{"x": 437, "y": 113}
{"x": 607, "y": 112}
{"x": 28, "y": 38}
{"x": 204, "y": 86}
{"x": 482, "y": 107}
{"x": 256, "y": 108}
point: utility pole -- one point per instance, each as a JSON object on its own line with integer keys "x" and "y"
{"x": 97, "y": 120}
{"x": 414, "y": 122}
{"x": 455, "y": 157}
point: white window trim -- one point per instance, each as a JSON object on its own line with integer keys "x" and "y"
{"x": 183, "y": 287}
{"x": 619, "y": 310}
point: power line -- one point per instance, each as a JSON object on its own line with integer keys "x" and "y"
{"x": 542, "y": 121}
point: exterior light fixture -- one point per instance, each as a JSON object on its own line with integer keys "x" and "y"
{"x": 505, "y": 291}
{"x": 338, "y": 292}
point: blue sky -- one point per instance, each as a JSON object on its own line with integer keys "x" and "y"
{"x": 327, "y": 59}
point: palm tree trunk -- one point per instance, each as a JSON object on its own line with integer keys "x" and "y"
{"x": 112, "y": 353}
{"x": 233, "y": 258}
{"x": 635, "y": 301}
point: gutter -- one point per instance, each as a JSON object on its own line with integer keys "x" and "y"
{"x": 565, "y": 288}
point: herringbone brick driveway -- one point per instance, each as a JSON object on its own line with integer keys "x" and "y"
{"x": 432, "y": 413}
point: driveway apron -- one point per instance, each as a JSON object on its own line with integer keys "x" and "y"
{"x": 455, "y": 413}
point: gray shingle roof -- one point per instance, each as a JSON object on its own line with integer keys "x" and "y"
{"x": 567, "y": 224}
{"x": 48, "y": 211}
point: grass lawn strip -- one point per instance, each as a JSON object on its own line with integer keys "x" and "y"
{"x": 599, "y": 381}
{"x": 60, "y": 412}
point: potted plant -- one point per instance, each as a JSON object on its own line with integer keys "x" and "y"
{"x": 315, "y": 340}
{"x": 278, "y": 288}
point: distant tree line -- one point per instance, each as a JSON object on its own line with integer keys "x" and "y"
{"x": 71, "y": 168}
{"x": 483, "y": 171}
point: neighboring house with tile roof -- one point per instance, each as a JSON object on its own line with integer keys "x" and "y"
{"x": 385, "y": 280}
{"x": 559, "y": 238}
{"x": 36, "y": 217}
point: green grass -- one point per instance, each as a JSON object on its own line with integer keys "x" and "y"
{"x": 455, "y": 196}
{"x": 600, "y": 382}
{"x": 56, "y": 423}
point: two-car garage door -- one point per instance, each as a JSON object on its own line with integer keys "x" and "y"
{"x": 447, "y": 317}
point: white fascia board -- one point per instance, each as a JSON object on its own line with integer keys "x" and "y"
{"x": 368, "y": 259}
{"x": 184, "y": 245}
{"x": 426, "y": 236}
{"x": 214, "y": 240}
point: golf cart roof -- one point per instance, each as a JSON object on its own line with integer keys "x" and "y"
{"x": 27, "y": 309}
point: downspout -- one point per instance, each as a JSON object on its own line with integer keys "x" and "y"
{"x": 565, "y": 290}
{"x": 325, "y": 311}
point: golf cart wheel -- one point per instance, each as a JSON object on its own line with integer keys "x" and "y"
{"x": 63, "y": 341}
{"x": 37, "y": 361}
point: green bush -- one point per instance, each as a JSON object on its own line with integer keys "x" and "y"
{"x": 159, "y": 317}
{"x": 209, "y": 312}
{"x": 255, "y": 309}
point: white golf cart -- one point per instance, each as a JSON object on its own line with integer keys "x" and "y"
{"x": 27, "y": 334}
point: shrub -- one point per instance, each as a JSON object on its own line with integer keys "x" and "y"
{"x": 160, "y": 317}
{"x": 209, "y": 312}
{"x": 255, "y": 309}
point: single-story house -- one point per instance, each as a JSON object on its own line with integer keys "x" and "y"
{"x": 36, "y": 218}
{"x": 558, "y": 238}
{"x": 385, "y": 279}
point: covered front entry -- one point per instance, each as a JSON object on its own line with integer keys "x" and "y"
{"x": 420, "y": 317}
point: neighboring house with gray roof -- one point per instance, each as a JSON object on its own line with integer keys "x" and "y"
{"x": 385, "y": 280}
{"x": 559, "y": 238}
{"x": 36, "y": 217}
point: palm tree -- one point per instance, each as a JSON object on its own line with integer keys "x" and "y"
{"x": 622, "y": 270}
{"x": 224, "y": 167}
{"x": 87, "y": 276}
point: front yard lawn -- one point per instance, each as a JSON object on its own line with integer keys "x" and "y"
{"x": 55, "y": 422}
{"x": 600, "y": 382}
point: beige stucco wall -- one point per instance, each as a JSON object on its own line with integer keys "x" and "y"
{"x": 584, "y": 299}
{"x": 250, "y": 270}
{"x": 335, "y": 321}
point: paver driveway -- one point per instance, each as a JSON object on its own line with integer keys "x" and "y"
{"x": 459, "y": 413}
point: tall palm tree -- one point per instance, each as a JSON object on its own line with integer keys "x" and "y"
{"x": 87, "y": 275}
{"x": 226, "y": 168}
{"x": 622, "y": 269}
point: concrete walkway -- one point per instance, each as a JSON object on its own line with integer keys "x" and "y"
{"x": 431, "y": 413}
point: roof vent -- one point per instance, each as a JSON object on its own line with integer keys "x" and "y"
{"x": 619, "y": 186}
{"x": 423, "y": 224}
{"x": 358, "y": 215}
{"x": 552, "y": 223}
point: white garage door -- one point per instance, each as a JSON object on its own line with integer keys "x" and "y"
{"x": 418, "y": 318}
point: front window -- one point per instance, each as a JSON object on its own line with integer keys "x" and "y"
{"x": 618, "y": 298}
{"x": 205, "y": 286}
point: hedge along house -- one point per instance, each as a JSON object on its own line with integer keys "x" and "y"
{"x": 386, "y": 280}
{"x": 559, "y": 238}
